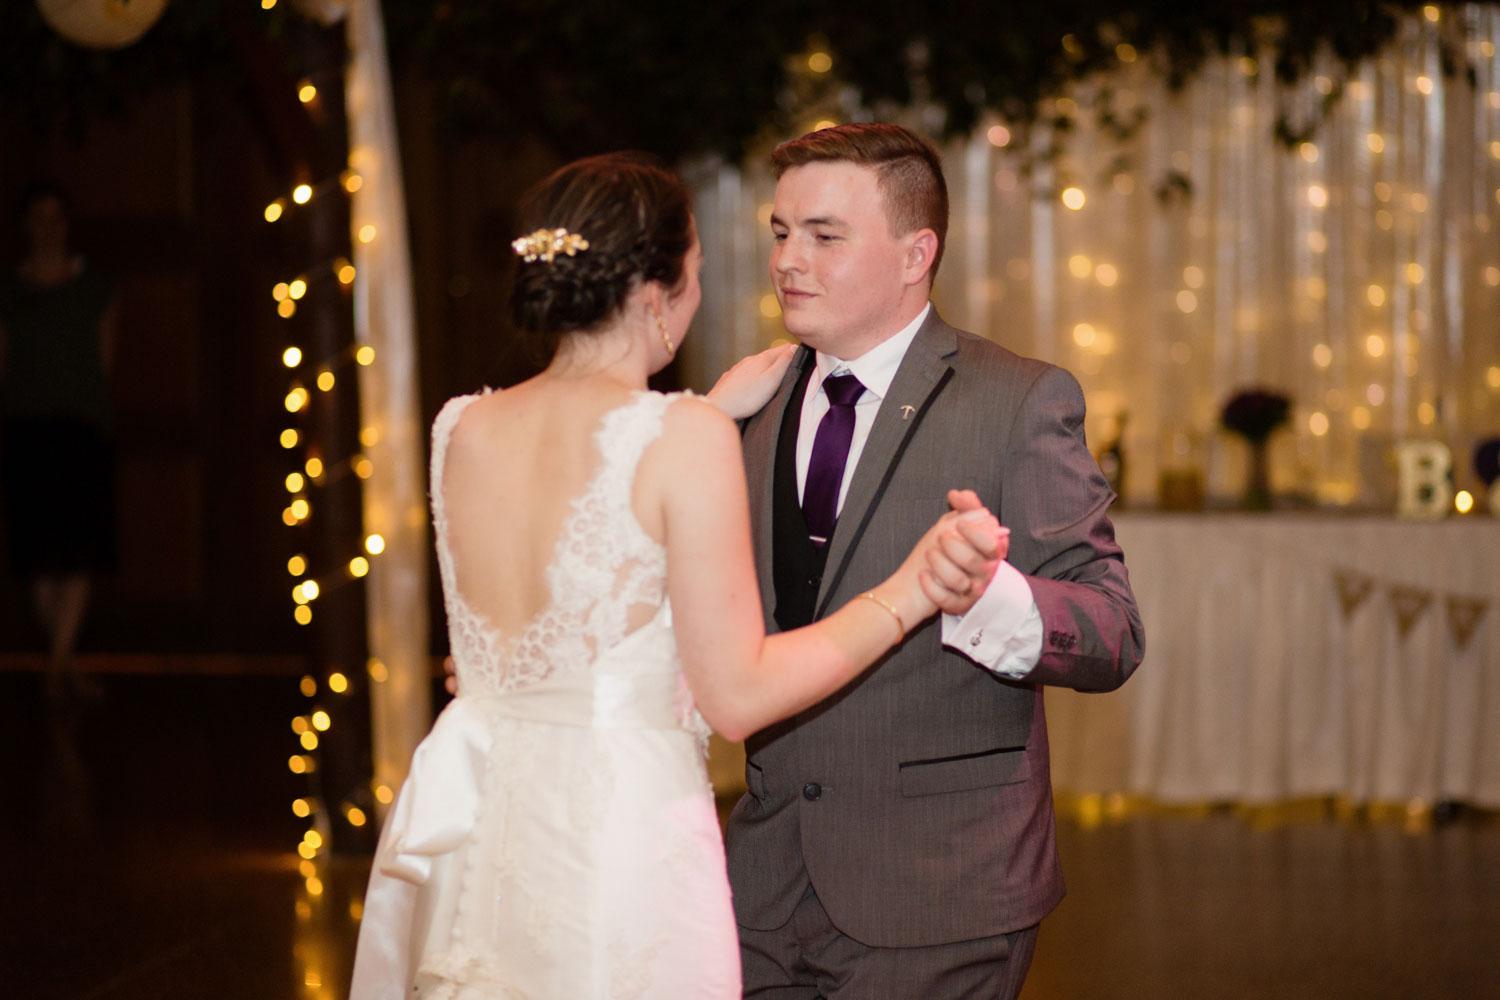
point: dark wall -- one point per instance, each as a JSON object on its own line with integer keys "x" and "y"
{"x": 167, "y": 198}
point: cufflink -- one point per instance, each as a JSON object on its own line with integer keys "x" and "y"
{"x": 976, "y": 638}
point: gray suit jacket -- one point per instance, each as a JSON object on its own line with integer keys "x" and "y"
{"x": 934, "y": 819}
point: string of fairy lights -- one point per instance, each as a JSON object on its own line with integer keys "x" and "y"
{"x": 311, "y": 471}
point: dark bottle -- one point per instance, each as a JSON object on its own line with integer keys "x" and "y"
{"x": 1112, "y": 460}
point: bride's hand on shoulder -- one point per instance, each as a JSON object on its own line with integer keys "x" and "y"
{"x": 751, "y": 382}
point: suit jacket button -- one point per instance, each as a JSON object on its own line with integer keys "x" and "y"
{"x": 815, "y": 582}
{"x": 812, "y": 791}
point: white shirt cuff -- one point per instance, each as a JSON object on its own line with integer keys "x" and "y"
{"x": 1003, "y": 630}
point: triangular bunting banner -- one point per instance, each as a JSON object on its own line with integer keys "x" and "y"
{"x": 1353, "y": 589}
{"x": 1464, "y": 614}
{"x": 1408, "y": 603}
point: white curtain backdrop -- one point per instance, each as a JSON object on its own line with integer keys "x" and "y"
{"x": 395, "y": 497}
{"x": 1358, "y": 273}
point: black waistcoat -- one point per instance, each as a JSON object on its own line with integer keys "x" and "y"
{"x": 796, "y": 563}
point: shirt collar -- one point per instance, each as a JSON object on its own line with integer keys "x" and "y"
{"x": 876, "y": 368}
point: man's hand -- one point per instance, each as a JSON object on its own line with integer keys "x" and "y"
{"x": 966, "y": 556}
{"x": 450, "y": 672}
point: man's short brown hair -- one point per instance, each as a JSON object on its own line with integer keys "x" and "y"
{"x": 907, "y": 167}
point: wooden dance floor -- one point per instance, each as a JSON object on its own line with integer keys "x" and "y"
{"x": 149, "y": 849}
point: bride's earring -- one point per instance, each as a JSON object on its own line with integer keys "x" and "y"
{"x": 661, "y": 325}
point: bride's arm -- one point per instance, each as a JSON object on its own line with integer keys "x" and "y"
{"x": 741, "y": 678}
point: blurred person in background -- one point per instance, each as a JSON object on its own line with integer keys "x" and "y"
{"x": 57, "y": 468}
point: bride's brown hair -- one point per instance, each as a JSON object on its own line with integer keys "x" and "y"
{"x": 637, "y": 217}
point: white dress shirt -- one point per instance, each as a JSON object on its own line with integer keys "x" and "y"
{"x": 1003, "y": 630}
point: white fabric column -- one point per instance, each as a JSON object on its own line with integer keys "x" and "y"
{"x": 395, "y": 500}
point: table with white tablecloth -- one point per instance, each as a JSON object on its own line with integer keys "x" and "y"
{"x": 1299, "y": 655}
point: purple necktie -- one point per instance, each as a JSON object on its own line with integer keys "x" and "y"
{"x": 830, "y": 453}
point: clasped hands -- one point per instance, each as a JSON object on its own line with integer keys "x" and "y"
{"x": 961, "y": 553}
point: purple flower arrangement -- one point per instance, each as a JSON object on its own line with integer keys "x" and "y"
{"x": 1255, "y": 413}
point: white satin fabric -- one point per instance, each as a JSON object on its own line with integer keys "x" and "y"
{"x": 556, "y": 841}
{"x": 436, "y": 809}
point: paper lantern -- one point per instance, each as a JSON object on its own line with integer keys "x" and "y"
{"x": 101, "y": 24}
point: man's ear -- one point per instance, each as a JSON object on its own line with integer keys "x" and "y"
{"x": 921, "y": 255}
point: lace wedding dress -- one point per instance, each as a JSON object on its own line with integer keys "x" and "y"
{"x": 556, "y": 838}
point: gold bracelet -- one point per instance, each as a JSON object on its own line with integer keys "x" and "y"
{"x": 889, "y": 607}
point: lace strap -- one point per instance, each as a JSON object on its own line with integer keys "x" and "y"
{"x": 625, "y": 433}
{"x": 442, "y": 433}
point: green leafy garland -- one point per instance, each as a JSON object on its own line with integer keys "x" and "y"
{"x": 720, "y": 78}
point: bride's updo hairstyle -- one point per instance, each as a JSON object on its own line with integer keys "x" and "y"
{"x": 638, "y": 221}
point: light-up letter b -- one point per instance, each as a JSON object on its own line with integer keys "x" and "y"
{"x": 1426, "y": 479}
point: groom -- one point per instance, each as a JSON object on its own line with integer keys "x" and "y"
{"x": 897, "y": 840}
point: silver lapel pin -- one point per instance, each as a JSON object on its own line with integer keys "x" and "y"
{"x": 907, "y": 411}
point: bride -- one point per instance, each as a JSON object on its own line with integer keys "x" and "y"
{"x": 557, "y": 837}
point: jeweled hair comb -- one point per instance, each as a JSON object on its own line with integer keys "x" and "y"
{"x": 545, "y": 244}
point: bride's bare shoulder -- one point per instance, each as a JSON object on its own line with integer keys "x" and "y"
{"x": 473, "y": 420}
{"x": 693, "y": 413}
{"x": 691, "y": 424}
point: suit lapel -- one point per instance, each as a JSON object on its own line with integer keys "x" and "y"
{"x": 762, "y": 432}
{"x": 922, "y": 373}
